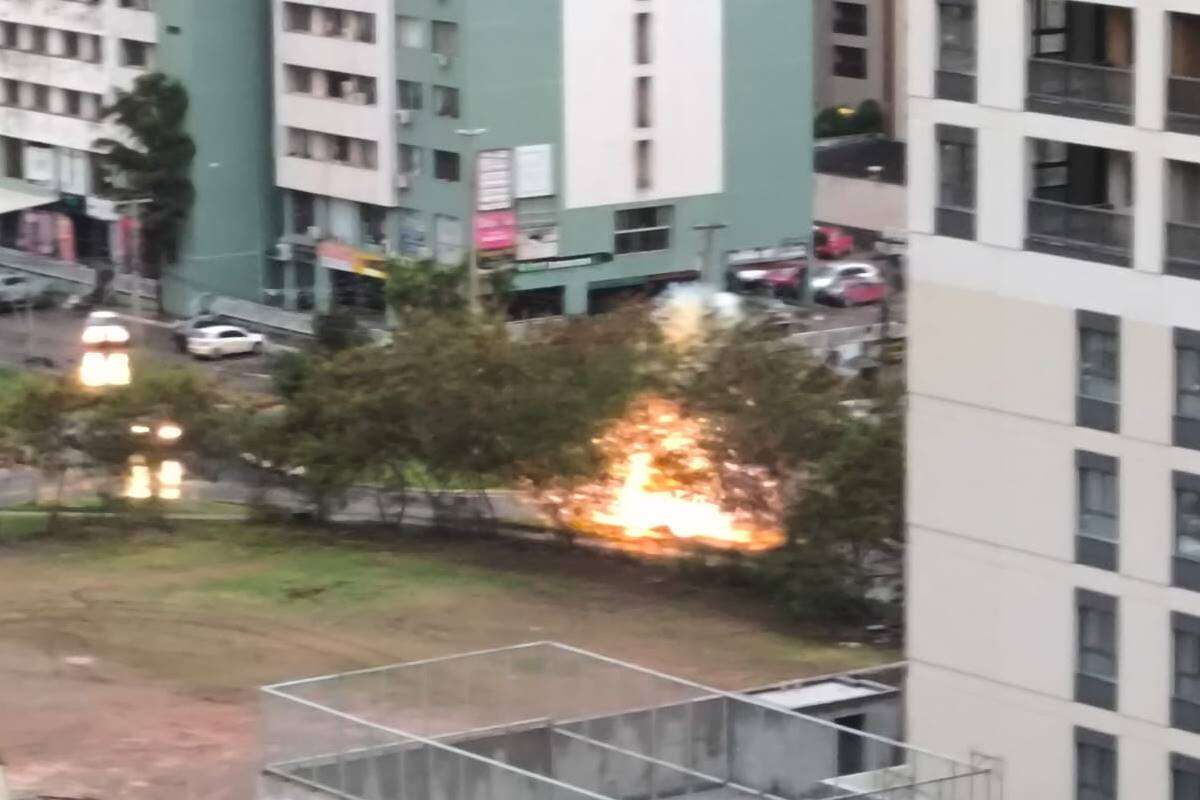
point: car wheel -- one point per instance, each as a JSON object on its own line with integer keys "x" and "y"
{"x": 256, "y": 348}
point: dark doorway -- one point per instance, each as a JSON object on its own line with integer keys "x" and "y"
{"x": 850, "y": 744}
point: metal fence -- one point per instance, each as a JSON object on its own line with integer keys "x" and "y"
{"x": 1084, "y": 90}
{"x": 1183, "y": 104}
{"x": 545, "y": 720}
{"x": 1097, "y": 234}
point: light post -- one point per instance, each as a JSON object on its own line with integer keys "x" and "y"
{"x": 471, "y": 135}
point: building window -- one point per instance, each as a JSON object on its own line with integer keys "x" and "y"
{"x": 446, "y": 166}
{"x": 445, "y": 102}
{"x": 1095, "y": 765}
{"x": 304, "y": 212}
{"x": 299, "y": 143}
{"x": 643, "y": 92}
{"x": 850, "y": 18}
{"x": 410, "y": 159}
{"x": 1096, "y": 536}
{"x": 38, "y": 40}
{"x": 955, "y": 79}
{"x": 955, "y": 213}
{"x": 72, "y": 103}
{"x": 410, "y": 31}
{"x": 644, "y": 160}
{"x": 136, "y": 54}
{"x": 299, "y": 79}
{"x": 1185, "y": 690}
{"x": 642, "y": 32}
{"x": 374, "y": 223}
{"x": 41, "y": 97}
{"x": 297, "y": 17}
{"x": 1185, "y": 571}
{"x": 1186, "y": 432}
{"x": 1096, "y": 657}
{"x": 410, "y": 95}
{"x": 70, "y": 44}
{"x": 1185, "y": 777}
{"x": 445, "y": 38}
{"x": 849, "y": 62}
{"x": 10, "y": 91}
{"x": 448, "y": 240}
{"x": 1098, "y": 402}
{"x": 10, "y": 34}
{"x": 643, "y": 230}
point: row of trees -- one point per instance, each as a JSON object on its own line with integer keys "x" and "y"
{"x": 455, "y": 401}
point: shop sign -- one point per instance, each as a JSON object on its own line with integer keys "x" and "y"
{"x": 494, "y": 180}
{"x": 101, "y": 208}
{"x": 535, "y": 170}
{"x": 495, "y": 230}
{"x": 565, "y": 262}
{"x": 343, "y": 257}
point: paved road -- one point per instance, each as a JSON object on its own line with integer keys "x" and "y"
{"x": 54, "y": 334}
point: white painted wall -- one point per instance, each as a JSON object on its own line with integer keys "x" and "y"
{"x": 325, "y": 115}
{"x": 992, "y": 488}
{"x": 598, "y": 78}
{"x": 858, "y": 203}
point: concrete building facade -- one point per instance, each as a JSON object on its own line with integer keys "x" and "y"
{"x": 61, "y": 61}
{"x": 1052, "y": 458}
{"x": 859, "y": 54}
{"x": 604, "y": 133}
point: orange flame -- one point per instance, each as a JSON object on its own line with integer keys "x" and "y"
{"x": 660, "y": 485}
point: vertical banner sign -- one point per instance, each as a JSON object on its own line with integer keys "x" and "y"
{"x": 535, "y": 171}
{"x": 494, "y": 180}
{"x": 495, "y": 230}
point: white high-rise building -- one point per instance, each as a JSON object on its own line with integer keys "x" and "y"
{"x": 60, "y": 62}
{"x": 1054, "y": 456}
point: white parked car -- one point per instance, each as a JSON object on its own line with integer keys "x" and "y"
{"x": 23, "y": 290}
{"x": 105, "y": 328}
{"x": 223, "y": 340}
{"x": 826, "y": 276}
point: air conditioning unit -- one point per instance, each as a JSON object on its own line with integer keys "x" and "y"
{"x": 404, "y": 116}
{"x": 283, "y": 251}
{"x": 314, "y": 232}
{"x": 403, "y": 179}
{"x": 442, "y": 60}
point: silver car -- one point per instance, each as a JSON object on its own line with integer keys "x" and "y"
{"x": 21, "y": 290}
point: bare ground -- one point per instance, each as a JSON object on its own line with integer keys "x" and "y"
{"x": 128, "y": 667}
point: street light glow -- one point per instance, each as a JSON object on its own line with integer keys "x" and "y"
{"x": 139, "y": 430}
{"x": 169, "y": 432}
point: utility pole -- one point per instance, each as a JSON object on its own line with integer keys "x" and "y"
{"x": 709, "y": 275}
{"x": 471, "y": 135}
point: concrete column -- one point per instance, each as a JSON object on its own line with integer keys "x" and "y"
{"x": 923, "y": 168}
{"x": 922, "y": 49}
{"x": 322, "y": 290}
{"x": 1003, "y": 155}
{"x": 1152, "y": 53}
{"x": 575, "y": 297}
{"x": 1149, "y": 194}
{"x": 1002, "y": 45}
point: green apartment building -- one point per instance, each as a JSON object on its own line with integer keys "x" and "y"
{"x": 586, "y": 140}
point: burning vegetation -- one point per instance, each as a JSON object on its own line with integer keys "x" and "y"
{"x": 661, "y": 485}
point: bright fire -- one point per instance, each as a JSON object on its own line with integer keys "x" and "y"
{"x": 660, "y": 484}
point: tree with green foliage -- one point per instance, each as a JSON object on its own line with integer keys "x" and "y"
{"x": 154, "y": 163}
{"x": 37, "y": 425}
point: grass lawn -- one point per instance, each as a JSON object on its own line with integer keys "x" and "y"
{"x": 130, "y": 660}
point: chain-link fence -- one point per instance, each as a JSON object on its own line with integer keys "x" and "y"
{"x": 548, "y": 721}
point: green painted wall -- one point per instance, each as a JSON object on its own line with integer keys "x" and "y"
{"x": 220, "y": 49}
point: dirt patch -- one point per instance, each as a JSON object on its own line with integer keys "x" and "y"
{"x": 127, "y": 669}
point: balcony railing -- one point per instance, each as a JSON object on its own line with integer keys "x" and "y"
{"x": 951, "y": 85}
{"x": 1086, "y": 232}
{"x": 1183, "y": 249}
{"x": 958, "y": 223}
{"x": 1090, "y": 91}
{"x": 1183, "y": 104}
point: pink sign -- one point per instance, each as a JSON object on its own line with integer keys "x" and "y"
{"x": 495, "y": 230}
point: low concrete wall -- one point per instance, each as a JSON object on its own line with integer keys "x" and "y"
{"x": 859, "y": 203}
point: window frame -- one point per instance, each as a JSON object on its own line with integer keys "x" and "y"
{"x": 1185, "y": 566}
{"x": 1092, "y": 411}
{"x": 1184, "y": 765}
{"x": 857, "y": 24}
{"x": 639, "y": 234}
{"x": 1185, "y": 428}
{"x": 1093, "y": 687}
{"x": 1185, "y": 710}
{"x": 442, "y": 158}
{"x": 1092, "y": 548}
{"x": 1104, "y": 745}
{"x": 839, "y": 66}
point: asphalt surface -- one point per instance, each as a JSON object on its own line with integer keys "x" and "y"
{"x": 54, "y": 334}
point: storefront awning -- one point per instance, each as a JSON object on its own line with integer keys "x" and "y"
{"x": 16, "y": 195}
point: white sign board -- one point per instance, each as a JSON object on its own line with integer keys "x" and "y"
{"x": 39, "y": 164}
{"x": 494, "y": 180}
{"x": 535, "y": 170}
{"x": 535, "y": 243}
{"x": 102, "y": 208}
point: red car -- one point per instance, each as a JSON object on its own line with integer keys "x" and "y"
{"x": 831, "y": 242}
{"x": 856, "y": 291}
